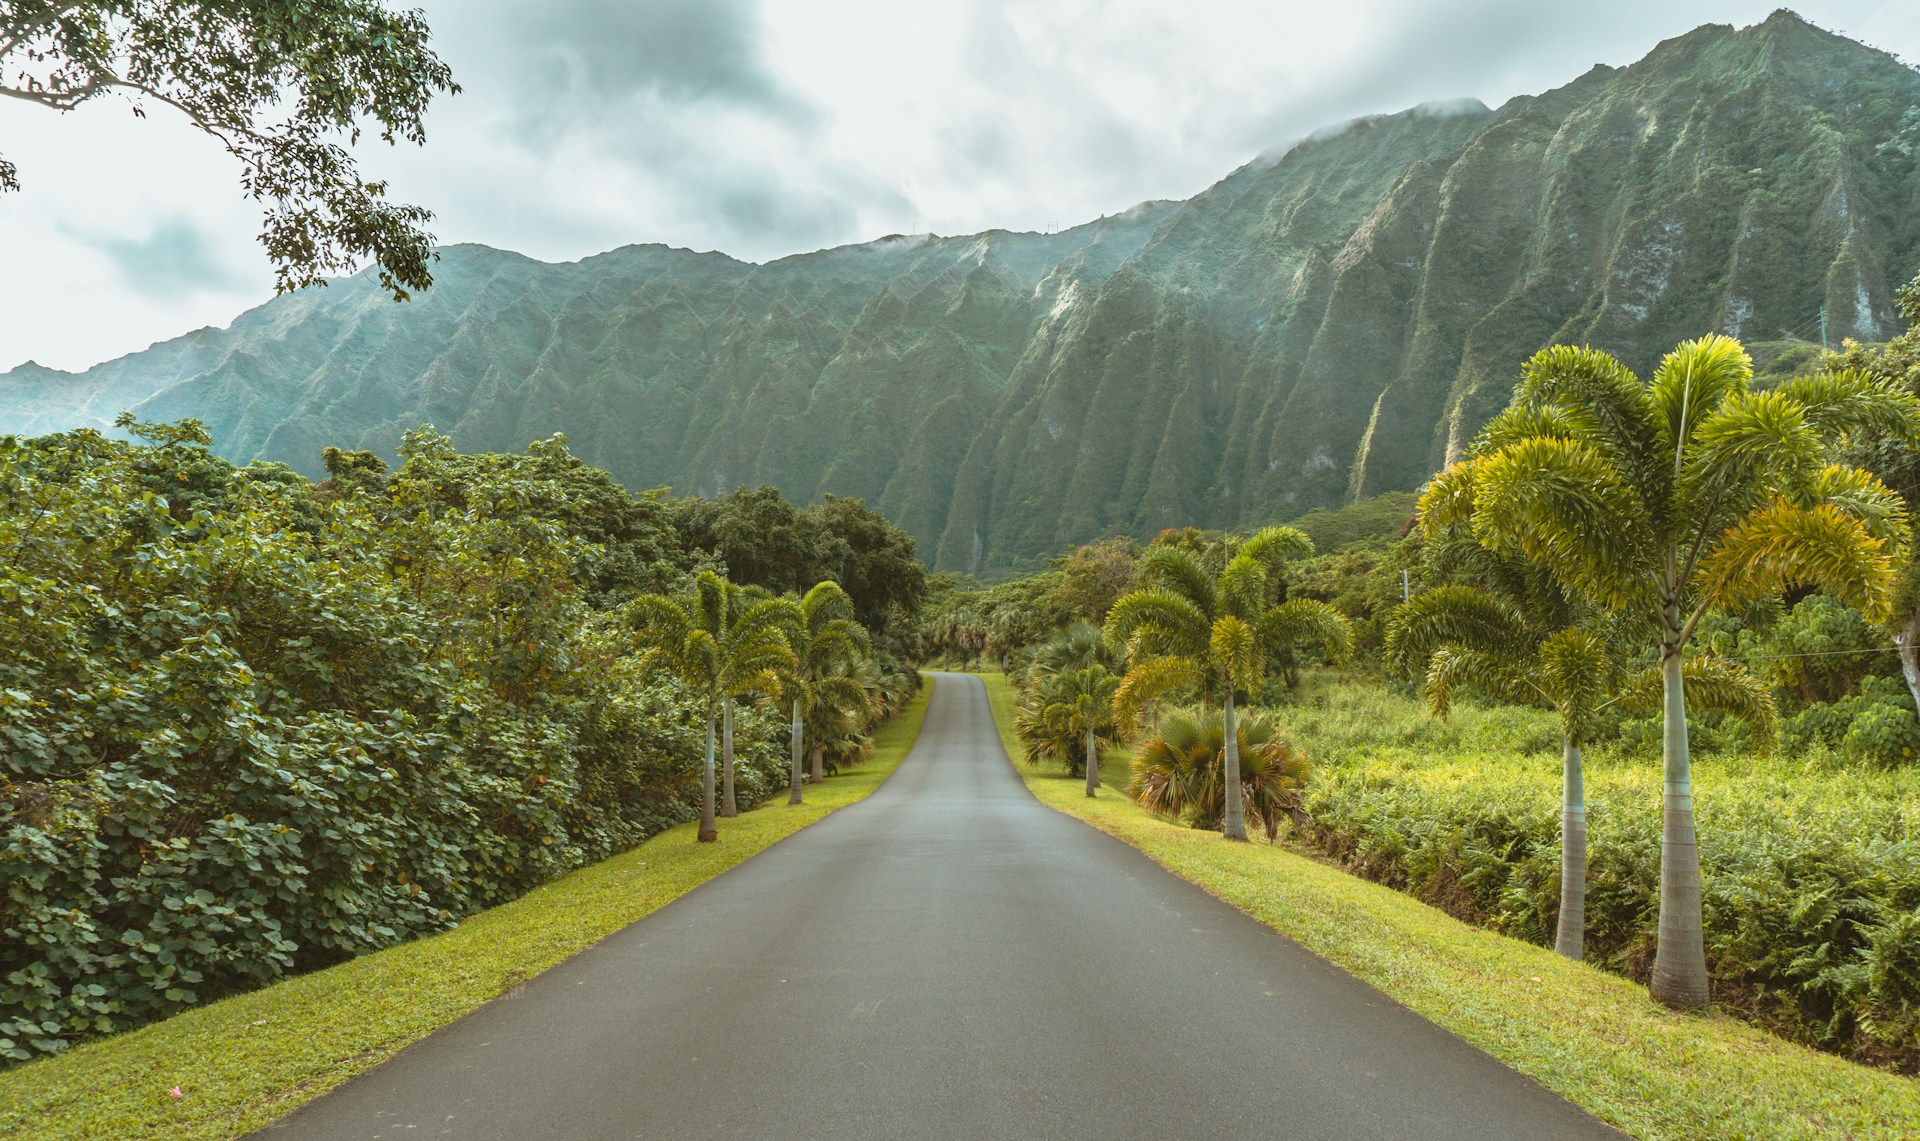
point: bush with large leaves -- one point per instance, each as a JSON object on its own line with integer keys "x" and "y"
{"x": 250, "y": 727}
{"x": 1179, "y": 771}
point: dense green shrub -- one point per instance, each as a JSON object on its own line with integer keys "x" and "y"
{"x": 249, "y": 726}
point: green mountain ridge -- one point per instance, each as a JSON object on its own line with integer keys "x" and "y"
{"x": 1314, "y": 328}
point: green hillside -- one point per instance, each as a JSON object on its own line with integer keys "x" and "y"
{"x": 1313, "y": 329}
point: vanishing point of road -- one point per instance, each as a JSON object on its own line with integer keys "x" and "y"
{"x": 945, "y": 959}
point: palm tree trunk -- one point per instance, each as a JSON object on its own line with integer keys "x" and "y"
{"x": 1234, "y": 827}
{"x": 727, "y": 805}
{"x": 819, "y": 762}
{"x": 707, "y": 831}
{"x": 1680, "y": 961}
{"x": 1093, "y": 766}
{"x": 793, "y": 786}
{"x": 1570, "y": 939}
{"x": 1907, "y": 641}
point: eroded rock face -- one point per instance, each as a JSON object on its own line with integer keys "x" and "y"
{"x": 1330, "y": 324}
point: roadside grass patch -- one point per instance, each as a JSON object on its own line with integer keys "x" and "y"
{"x": 242, "y": 1062}
{"x": 1594, "y": 1038}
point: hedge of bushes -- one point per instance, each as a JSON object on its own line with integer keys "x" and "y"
{"x": 251, "y": 726}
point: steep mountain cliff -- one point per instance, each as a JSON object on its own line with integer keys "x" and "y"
{"x": 1330, "y": 324}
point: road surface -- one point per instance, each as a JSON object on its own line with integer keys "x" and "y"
{"x": 946, "y": 959}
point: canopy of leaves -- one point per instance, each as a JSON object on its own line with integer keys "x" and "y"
{"x": 282, "y": 84}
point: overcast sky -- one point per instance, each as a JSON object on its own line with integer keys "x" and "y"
{"x": 770, "y": 128}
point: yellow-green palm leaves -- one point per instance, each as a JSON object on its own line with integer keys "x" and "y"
{"x": 719, "y": 642}
{"x": 824, "y": 686}
{"x": 1665, "y": 499}
{"x": 1184, "y": 628}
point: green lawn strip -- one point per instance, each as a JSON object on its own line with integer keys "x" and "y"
{"x": 247, "y": 1060}
{"x": 1590, "y": 1036}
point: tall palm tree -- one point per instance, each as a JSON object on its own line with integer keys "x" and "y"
{"x": 1184, "y": 628}
{"x": 826, "y": 640}
{"x": 1065, "y": 715}
{"x": 720, "y": 648}
{"x": 1464, "y": 635}
{"x": 1669, "y": 498}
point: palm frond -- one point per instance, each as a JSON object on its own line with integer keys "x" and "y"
{"x": 1860, "y": 494}
{"x": 1693, "y": 380}
{"x": 1739, "y": 448}
{"x": 1781, "y": 546}
{"x": 827, "y": 601}
{"x": 1456, "y": 615}
{"x": 1172, "y": 569}
{"x": 1306, "y": 622}
{"x": 1162, "y": 620}
{"x": 1525, "y": 421}
{"x": 1451, "y": 668}
{"x": 1272, "y": 546}
{"x": 1708, "y": 684}
{"x": 1565, "y": 506}
{"x": 1242, "y": 587}
{"x": 1447, "y": 500}
{"x": 1234, "y": 650}
{"x": 1146, "y": 680}
{"x": 1591, "y": 387}
{"x": 1576, "y": 669}
{"x": 1848, "y": 400}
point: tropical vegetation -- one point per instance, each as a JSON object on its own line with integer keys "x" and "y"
{"x": 1698, "y": 566}
{"x": 253, "y": 725}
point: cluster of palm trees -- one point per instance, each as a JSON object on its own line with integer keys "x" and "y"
{"x": 1185, "y": 629}
{"x": 1600, "y": 516}
{"x": 730, "y": 643}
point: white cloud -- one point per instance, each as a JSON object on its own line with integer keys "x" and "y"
{"x": 769, "y": 128}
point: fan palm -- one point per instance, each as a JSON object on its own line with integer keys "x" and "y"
{"x": 826, "y": 640}
{"x": 1185, "y": 628}
{"x": 721, "y": 648}
{"x": 1066, "y": 716}
{"x": 1464, "y": 635}
{"x": 1177, "y": 772}
{"x": 1663, "y": 500}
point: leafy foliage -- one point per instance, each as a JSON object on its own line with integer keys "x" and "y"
{"x": 276, "y": 82}
{"x": 250, "y": 726}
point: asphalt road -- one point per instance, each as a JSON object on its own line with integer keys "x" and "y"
{"x": 947, "y": 958}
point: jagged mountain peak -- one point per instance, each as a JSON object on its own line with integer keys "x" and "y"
{"x": 1332, "y": 319}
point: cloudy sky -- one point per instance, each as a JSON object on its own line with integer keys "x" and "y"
{"x": 774, "y": 127}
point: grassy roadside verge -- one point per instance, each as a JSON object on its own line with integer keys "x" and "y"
{"x": 249, "y": 1059}
{"x": 1589, "y": 1036}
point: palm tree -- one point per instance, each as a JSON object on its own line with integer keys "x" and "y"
{"x": 849, "y": 700}
{"x": 1663, "y": 500}
{"x": 1076, "y": 647}
{"x": 1465, "y": 635}
{"x": 1065, "y": 716}
{"x": 718, "y": 648}
{"x": 1177, "y": 772}
{"x": 1187, "y": 628}
{"x": 826, "y": 640}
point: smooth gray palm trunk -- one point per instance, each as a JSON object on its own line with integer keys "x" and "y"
{"x": 1093, "y": 766}
{"x": 727, "y": 805}
{"x": 1680, "y": 962}
{"x": 793, "y": 784}
{"x": 1234, "y": 826}
{"x": 707, "y": 829}
{"x": 1571, "y": 937}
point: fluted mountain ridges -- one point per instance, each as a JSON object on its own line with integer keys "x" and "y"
{"x": 1324, "y": 325}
